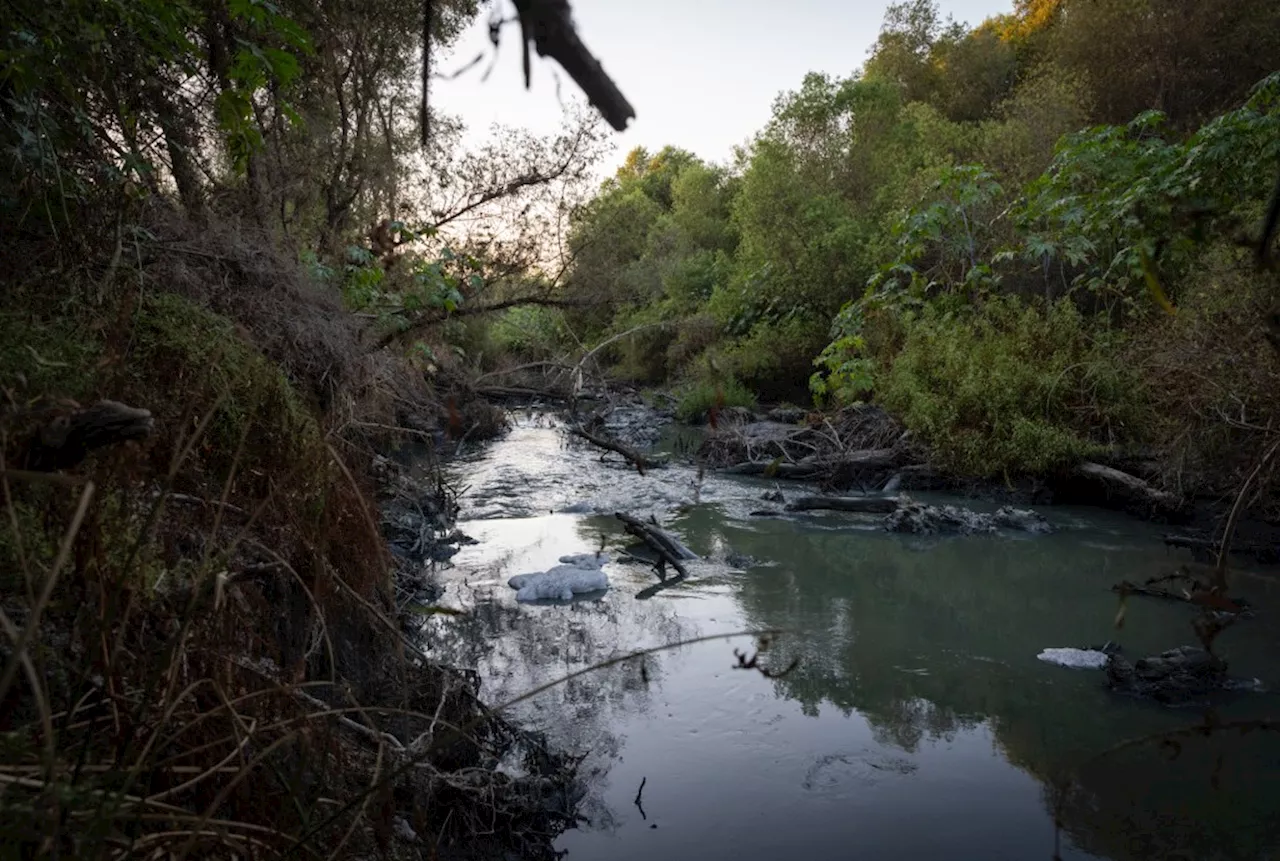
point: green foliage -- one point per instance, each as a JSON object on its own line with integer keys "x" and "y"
{"x": 773, "y": 359}
{"x": 1117, "y": 194}
{"x": 696, "y": 400}
{"x": 1011, "y": 389}
{"x": 846, "y": 372}
{"x": 945, "y": 245}
{"x": 85, "y": 84}
{"x": 529, "y": 331}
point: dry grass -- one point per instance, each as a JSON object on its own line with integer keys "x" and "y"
{"x": 200, "y": 650}
{"x": 1215, "y": 374}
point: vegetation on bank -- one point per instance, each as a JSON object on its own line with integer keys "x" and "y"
{"x": 1028, "y": 240}
{"x": 205, "y": 211}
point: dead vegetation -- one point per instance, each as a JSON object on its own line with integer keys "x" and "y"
{"x": 201, "y": 650}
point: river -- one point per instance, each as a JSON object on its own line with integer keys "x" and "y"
{"x": 917, "y": 721}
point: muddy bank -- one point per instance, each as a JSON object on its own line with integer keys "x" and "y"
{"x": 507, "y": 788}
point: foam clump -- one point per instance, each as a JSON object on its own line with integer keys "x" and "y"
{"x": 576, "y": 574}
{"x": 1076, "y": 659}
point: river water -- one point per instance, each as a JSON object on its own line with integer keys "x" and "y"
{"x": 917, "y": 721}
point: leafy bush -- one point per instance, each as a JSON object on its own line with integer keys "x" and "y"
{"x": 530, "y": 331}
{"x": 1012, "y": 389}
{"x": 696, "y": 399}
{"x": 774, "y": 359}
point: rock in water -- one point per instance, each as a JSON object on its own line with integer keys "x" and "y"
{"x": 1076, "y": 659}
{"x": 917, "y": 518}
{"x": 586, "y": 560}
{"x": 1022, "y": 519}
{"x": 1182, "y": 676}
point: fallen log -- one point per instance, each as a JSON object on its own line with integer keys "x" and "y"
{"x": 772, "y": 469}
{"x": 1197, "y": 594}
{"x": 854, "y": 504}
{"x": 1206, "y": 549}
{"x": 866, "y": 459}
{"x": 1129, "y": 486}
{"x": 641, "y": 462}
{"x": 498, "y": 392}
{"x": 870, "y": 458}
{"x": 62, "y": 438}
{"x": 669, "y": 550}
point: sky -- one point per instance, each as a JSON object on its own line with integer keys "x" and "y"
{"x": 701, "y": 74}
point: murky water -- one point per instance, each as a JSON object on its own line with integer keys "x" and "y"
{"x": 917, "y": 722}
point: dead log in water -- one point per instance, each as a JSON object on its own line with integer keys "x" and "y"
{"x": 774, "y": 469}
{"x": 1130, "y": 487}
{"x": 669, "y": 550}
{"x": 1207, "y": 549}
{"x": 641, "y": 462}
{"x": 854, "y": 504}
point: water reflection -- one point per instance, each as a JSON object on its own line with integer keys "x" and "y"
{"x": 928, "y": 645}
{"x": 917, "y": 723}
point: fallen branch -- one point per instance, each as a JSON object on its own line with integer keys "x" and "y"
{"x": 548, "y": 24}
{"x": 1200, "y": 596}
{"x": 854, "y": 504}
{"x": 62, "y": 439}
{"x": 576, "y": 372}
{"x": 669, "y": 550}
{"x": 773, "y": 469}
{"x": 1129, "y": 486}
{"x": 641, "y": 462}
{"x": 519, "y": 392}
{"x": 1207, "y": 550}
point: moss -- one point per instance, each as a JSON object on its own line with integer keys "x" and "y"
{"x": 188, "y": 360}
{"x": 55, "y": 359}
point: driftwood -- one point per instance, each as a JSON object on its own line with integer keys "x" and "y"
{"x": 60, "y": 438}
{"x": 872, "y": 458}
{"x": 1129, "y": 486}
{"x": 519, "y": 392}
{"x": 1206, "y": 549}
{"x": 798, "y": 471}
{"x": 669, "y": 550}
{"x": 1197, "y": 594}
{"x": 855, "y": 504}
{"x": 641, "y": 462}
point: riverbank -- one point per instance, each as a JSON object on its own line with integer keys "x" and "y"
{"x": 866, "y": 451}
{"x": 209, "y": 641}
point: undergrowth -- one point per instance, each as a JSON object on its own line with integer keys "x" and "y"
{"x": 1011, "y": 390}
{"x": 201, "y": 648}
{"x": 696, "y": 400}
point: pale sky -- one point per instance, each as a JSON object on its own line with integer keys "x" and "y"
{"x": 701, "y": 74}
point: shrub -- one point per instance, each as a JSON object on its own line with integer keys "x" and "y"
{"x": 775, "y": 359}
{"x": 1011, "y": 389}
{"x": 696, "y": 399}
{"x": 529, "y": 332}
